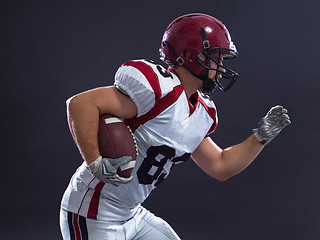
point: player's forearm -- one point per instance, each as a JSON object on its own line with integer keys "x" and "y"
{"x": 236, "y": 158}
{"x": 83, "y": 118}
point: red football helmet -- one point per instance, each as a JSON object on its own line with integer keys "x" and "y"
{"x": 201, "y": 35}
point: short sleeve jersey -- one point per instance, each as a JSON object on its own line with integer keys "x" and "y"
{"x": 168, "y": 128}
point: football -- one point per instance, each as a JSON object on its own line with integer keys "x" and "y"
{"x": 116, "y": 140}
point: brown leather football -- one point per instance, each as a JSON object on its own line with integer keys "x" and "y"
{"x": 116, "y": 140}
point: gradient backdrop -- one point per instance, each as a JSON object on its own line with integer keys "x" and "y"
{"x": 51, "y": 50}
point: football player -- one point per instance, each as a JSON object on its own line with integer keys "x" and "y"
{"x": 171, "y": 118}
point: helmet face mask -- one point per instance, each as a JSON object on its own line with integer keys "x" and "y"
{"x": 201, "y": 35}
{"x": 228, "y": 76}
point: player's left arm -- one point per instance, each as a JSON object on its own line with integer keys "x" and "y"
{"x": 222, "y": 164}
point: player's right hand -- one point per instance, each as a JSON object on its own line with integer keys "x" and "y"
{"x": 271, "y": 124}
{"x": 105, "y": 170}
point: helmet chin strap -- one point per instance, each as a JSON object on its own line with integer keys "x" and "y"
{"x": 208, "y": 84}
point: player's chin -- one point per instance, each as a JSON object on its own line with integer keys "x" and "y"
{"x": 213, "y": 79}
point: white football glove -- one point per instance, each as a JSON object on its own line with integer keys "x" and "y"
{"x": 271, "y": 124}
{"x": 105, "y": 170}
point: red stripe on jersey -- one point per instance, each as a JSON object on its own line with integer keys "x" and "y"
{"x": 213, "y": 114}
{"x": 192, "y": 108}
{"x": 76, "y": 227}
{"x": 162, "y": 104}
{"x": 149, "y": 74}
{"x": 94, "y": 203}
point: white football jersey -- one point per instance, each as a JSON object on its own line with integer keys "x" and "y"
{"x": 168, "y": 128}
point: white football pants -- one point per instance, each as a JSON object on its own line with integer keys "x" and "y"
{"x": 143, "y": 226}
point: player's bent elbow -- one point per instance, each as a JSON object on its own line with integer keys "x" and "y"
{"x": 72, "y": 103}
{"x": 217, "y": 175}
{"x": 68, "y": 101}
{"x": 223, "y": 176}
{"x": 76, "y": 103}
{"x": 220, "y": 178}
{"x": 220, "y": 173}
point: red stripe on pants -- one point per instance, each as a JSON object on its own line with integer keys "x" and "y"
{"x": 94, "y": 203}
{"x": 75, "y": 223}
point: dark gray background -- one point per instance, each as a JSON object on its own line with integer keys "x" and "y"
{"x": 51, "y": 50}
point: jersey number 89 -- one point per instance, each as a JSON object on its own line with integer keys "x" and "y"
{"x": 152, "y": 166}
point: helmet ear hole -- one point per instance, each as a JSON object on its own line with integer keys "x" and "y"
{"x": 188, "y": 55}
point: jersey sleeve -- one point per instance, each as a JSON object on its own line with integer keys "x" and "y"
{"x": 138, "y": 80}
{"x": 212, "y": 112}
{"x": 214, "y": 124}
